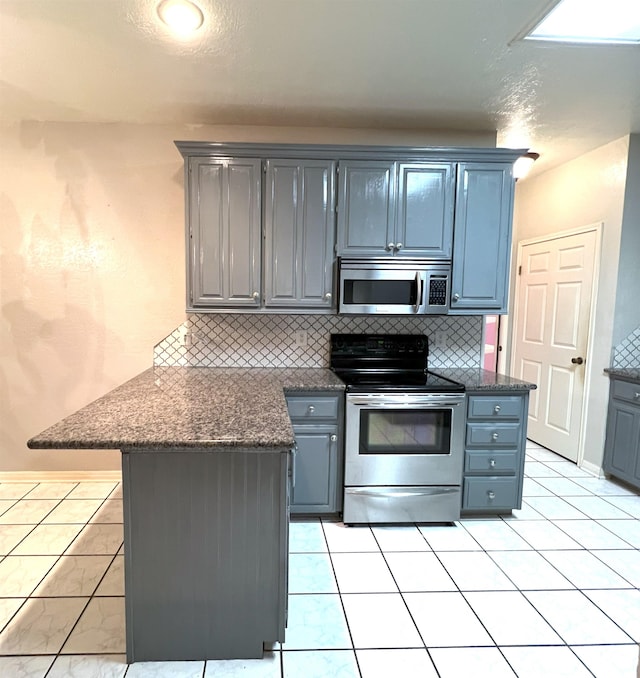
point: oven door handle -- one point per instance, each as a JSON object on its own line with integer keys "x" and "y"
{"x": 419, "y": 292}
{"x": 413, "y": 492}
{"x": 405, "y": 402}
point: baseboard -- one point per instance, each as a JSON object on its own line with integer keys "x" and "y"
{"x": 592, "y": 468}
{"x": 58, "y": 476}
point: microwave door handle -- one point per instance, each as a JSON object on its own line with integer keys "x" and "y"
{"x": 418, "y": 304}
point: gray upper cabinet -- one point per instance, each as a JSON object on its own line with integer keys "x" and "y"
{"x": 424, "y": 225}
{"x": 366, "y": 208}
{"x": 482, "y": 237}
{"x": 391, "y": 209}
{"x": 224, "y": 235}
{"x": 299, "y": 233}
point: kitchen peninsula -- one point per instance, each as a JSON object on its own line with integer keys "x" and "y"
{"x": 205, "y": 464}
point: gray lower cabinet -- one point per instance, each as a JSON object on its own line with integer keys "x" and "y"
{"x": 316, "y": 484}
{"x": 622, "y": 446}
{"x": 395, "y": 209}
{"x": 482, "y": 238}
{"x": 224, "y": 233}
{"x": 299, "y": 218}
{"x": 495, "y": 442}
{"x": 206, "y": 552}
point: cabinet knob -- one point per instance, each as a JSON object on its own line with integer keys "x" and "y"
{"x": 399, "y": 245}
{"x": 496, "y": 409}
{"x": 494, "y": 436}
{"x": 256, "y": 295}
{"x": 455, "y": 297}
{"x": 311, "y": 409}
{"x": 390, "y": 247}
{"x": 636, "y": 396}
{"x": 333, "y": 438}
{"x": 491, "y": 495}
{"x": 492, "y": 463}
{"x": 327, "y": 296}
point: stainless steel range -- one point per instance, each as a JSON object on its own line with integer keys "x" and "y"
{"x": 404, "y": 431}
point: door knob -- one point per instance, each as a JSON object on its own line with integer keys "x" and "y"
{"x": 577, "y": 361}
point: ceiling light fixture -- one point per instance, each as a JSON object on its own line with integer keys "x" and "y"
{"x": 590, "y": 21}
{"x": 523, "y": 164}
{"x": 181, "y": 16}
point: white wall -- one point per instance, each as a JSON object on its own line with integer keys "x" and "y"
{"x": 92, "y": 262}
{"x": 587, "y": 190}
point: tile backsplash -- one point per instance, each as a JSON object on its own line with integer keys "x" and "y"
{"x": 269, "y": 340}
{"x": 627, "y": 352}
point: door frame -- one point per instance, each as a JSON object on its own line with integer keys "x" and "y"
{"x": 598, "y": 228}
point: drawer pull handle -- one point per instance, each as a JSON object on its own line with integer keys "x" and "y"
{"x": 492, "y": 463}
{"x": 496, "y": 409}
{"x": 494, "y": 436}
{"x": 491, "y": 495}
{"x": 311, "y": 409}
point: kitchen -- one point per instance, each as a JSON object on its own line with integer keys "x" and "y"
{"x": 82, "y": 326}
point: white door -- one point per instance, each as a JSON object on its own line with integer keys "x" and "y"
{"x": 551, "y": 334}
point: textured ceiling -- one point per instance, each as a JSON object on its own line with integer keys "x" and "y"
{"x": 403, "y": 64}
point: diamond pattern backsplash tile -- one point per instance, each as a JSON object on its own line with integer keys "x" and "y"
{"x": 268, "y": 340}
{"x": 627, "y": 352}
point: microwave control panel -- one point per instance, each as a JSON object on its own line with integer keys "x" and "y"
{"x": 438, "y": 290}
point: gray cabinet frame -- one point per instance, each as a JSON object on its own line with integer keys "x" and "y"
{"x": 317, "y": 473}
{"x": 299, "y": 224}
{"x": 495, "y": 446}
{"x": 482, "y": 237}
{"x": 206, "y": 552}
{"x": 622, "y": 444}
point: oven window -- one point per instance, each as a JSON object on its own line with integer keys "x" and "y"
{"x": 380, "y": 292}
{"x": 405, "y": 431}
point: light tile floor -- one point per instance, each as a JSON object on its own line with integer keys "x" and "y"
{"x": 552, "y": 590}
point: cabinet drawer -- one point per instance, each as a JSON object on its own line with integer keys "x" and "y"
{"x": 489, "y": 493}
{"x": 493, "y": 461}
{"x": 491, "y": 435}
{"x": 625, "y": 390}
{"x": 305, "y": 409}
{"x": 495, "y": 407}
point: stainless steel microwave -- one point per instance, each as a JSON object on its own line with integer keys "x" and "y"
{"x": 394, "y": 286}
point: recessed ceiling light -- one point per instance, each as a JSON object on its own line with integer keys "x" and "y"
{"x": 591, "y": 21}
{"x": 181, "y": 16}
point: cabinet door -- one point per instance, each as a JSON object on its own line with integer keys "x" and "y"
{"x": 224, "y": 232}
{"x": 299, "y": 233}
{"x": 482, "y": 237}
{"x": 366, "y": 208}
{"x": 315, "y": 469}
{"x": 424, "y": 226}
{"x": 622, "y": 447}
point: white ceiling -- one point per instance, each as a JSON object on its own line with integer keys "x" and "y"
{"x": 403, "y": 64}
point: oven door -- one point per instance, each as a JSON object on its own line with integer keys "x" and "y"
{"x": 404, "y": 440}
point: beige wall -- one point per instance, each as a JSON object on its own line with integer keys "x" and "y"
{"x": 585, "y": 191}
{"x": 92, "y": 262}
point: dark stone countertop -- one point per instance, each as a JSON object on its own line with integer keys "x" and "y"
{"x": 173, "y": 407}
{"x": 625, "y": 373}
{"x": 480, "y": 380}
